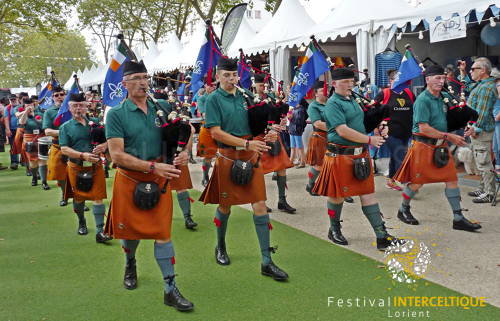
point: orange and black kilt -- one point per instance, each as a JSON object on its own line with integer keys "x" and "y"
{"x": 30, "y": 138}
{"x": 316, "y": 149}
{"x": 418, "y": 166}
{"x": 207, "y": 147}
{"x": 128, "y": 222}
{"x": 184, "y": 180}
{"x": 98, "y": 190}
{"x": 16, "y": 147}
{"x": 56, "y": 168}
{"x": 274, "y": 163}
{"x": 221, "y": 190}
{"x": 337, "y": 180}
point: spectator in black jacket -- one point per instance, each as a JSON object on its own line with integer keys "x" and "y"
{"x": 298, "y": 123}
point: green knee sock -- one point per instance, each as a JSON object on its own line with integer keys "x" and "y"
{"x": 334, "y": 212}
{"x": 78, "y": 209}
{"x": 184, "y": 203}
{"x": 42, "y": 170}
{"x": 205, "y": 166}
{"x": 34, "y": 172}
{"x": 99, "y": 210}
{"x": 281, "y": 181}
{"x": 453, "y": 196}
{"x": 313, "y": 174}
{"x": 165, "y": 257}
{"x": 263, "y": 234}
{"x": 408, "y": 195}
{"x": 372, "y": 213}
{"x": 220, "y": 221}
{"x": 129, "y": 247}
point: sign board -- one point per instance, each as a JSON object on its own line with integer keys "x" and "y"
{"x": 49, "y": 70}
{"x": 442, "y": 30}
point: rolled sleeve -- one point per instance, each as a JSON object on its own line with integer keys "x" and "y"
{"x": 113, "y": 125}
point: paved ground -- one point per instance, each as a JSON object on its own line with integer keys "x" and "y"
{"x": 463, "y": 261}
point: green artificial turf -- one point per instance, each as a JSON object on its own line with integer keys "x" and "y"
{"x": 48, "y": 272}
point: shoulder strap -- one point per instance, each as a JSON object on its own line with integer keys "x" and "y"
{"x": 387, "y": 95}
{"x": 410, "y": 94}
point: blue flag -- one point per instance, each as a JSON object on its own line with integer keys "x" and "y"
{"x": 180, "y": 91}
{"x": 46, "y": 94}
{"x": 64, "y": 114}
{"x": 113, "y": 92}
{"x": 314, "y": 66}
{"x": 208, "y": 56}
{"x": 244, "y": 72}
{"x": 408, "y": 70}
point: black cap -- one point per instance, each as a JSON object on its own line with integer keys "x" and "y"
{"x": 57, "y": 89}
{"x": 12, "y": 96}
{"x": 434, "y": 70}
{"x": 259, "y": 78}
{"x": 23, "y": 94}
{"x": 319, "y": 84}
{"x": 80, "y": 97}
{"x": 133, "y": 67}
{"x": 342, "y": 73}
{"x": 227, "y": 64}
{"x": 28, "y": 101}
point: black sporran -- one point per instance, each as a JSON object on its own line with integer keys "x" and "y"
{"x": 84, "y": 181}
{"x": 146, "y": 195}
{"x": 441, "y": 156}
{"x": 241, "y": 172}
{"x": 275, "y": 148}
{"x": 31, "y": 147}
{"x": 362, "y": 168}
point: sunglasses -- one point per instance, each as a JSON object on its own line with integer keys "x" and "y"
{"x": 475, "y": 68}
{"x": 59, "y": 95}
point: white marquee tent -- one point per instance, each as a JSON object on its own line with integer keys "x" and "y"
{"x": 170, "y": 57}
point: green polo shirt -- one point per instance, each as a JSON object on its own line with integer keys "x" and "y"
{"x": 201, "y": 103}
{"x": 315, "y": 112}
{"x": 340, "y": 110}
{"x": 430, "y": 109}
{"x": 227, "y": 111}
{"x": 76, "y": 136}
{"x": 49, "y": 116}
{"x": 32, "y": 123}
{"x": 141, "y": 133}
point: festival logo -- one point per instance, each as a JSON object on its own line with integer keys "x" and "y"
{"x": 302, "y": 79}
{"x": 116, "y": 90}
{"x": 197, "y": 67}
{"x": 407, "y": 262}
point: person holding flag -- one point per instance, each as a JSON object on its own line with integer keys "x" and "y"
{"x": 428, "y": 160}
{"x": 56, "y": 165}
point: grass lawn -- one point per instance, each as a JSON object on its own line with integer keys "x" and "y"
{"x": 48, "y": 272}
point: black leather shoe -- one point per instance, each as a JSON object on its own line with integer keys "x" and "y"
{"x": 204, "y": 182}
{"x": 349, "y": 199}
{"x": 285, "y": 207}
{"x": 82, "y": 228}
{"x": 221, "y": 256}
{"x": 175, "y": 299}
{"x": 34, "y": 182}
{"x": 192, "y": 161}
{"x": 130, "y": 277}
{"x": 275, "y": 176}
{"x": 268, "y": 209}
{"x": 384, "y": 242}
{"x": 309, "y": 190}
{"x": 189, "y": 223}
{"x": 63, "y": 202}
{"x": 102, "y": 238}
{"x": 273, "y": 271}
{"x": 28, "y": 173}
{"x": 335, "y": 235}
{"x": 465, "y": 225}
{"x": 406, "y": 217}
{"x": 45, "y": 186}
{"x": 14, "y": 166}
{"x": 86, "y": 209}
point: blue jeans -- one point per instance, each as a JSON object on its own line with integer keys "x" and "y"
{"x": 496, "y": 143}
{"x": 398, "y": 148}
{"x": 296, "y": 141}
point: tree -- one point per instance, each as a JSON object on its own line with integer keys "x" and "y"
{"x": 28, "y": 65}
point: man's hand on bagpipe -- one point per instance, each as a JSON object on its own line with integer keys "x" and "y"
{"x": 167, "y": 171}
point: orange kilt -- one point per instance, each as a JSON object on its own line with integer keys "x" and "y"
{"x": 16, "y": 147}
{"x": 316, "y": 149}
{"x": 98, "y": 190}
{"x": 221, "y": 190}
{"x": 336, "y": 178}
{"x": 184, "y": 180}
{"x": 128, "y": 222}
{"x": 207, "y": 147}
{"x": 56, "y": 168}
{"x": 275, "y": 163}
{"x": 30, "y": 138}
{"x": 418, "y": 166}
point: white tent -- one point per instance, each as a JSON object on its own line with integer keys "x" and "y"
{"x": 170, "y": 57}
{"x": 192, "y": 45}
{"x": 69, "y": 83}
{"x": 85, "y": 76}
{"x": 287, "y": 24}
{"x": 97, "y": 76}
{"x": 151, "y": 55}
{"x": 245, "y": 32}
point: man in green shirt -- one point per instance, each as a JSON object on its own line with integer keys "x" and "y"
{"x": 227, "y": 119}
{"x": 347, "y": 145}
{"x": 206, "y": 146}
{"x": 430, "y": 136}
{"x": 75, "y": 141}
{"x": 56, "y": 164}
{"x": 134, "y": 135}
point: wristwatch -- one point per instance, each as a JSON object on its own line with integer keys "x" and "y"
{"x": 247, "y": 144}
{"x": 151, "y": 167}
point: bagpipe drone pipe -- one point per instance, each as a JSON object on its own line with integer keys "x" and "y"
{"x": 458, "y": 114}
{"x": 374, "y": 112}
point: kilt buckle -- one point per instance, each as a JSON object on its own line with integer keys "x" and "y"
{"x": 358, "y": 151}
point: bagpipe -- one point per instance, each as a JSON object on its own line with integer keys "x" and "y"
{"x": 97, "y": 133}
{"x": 458, "y": 114}
{"x": 258, "y": 110}
{"x": 373, "y": 110}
